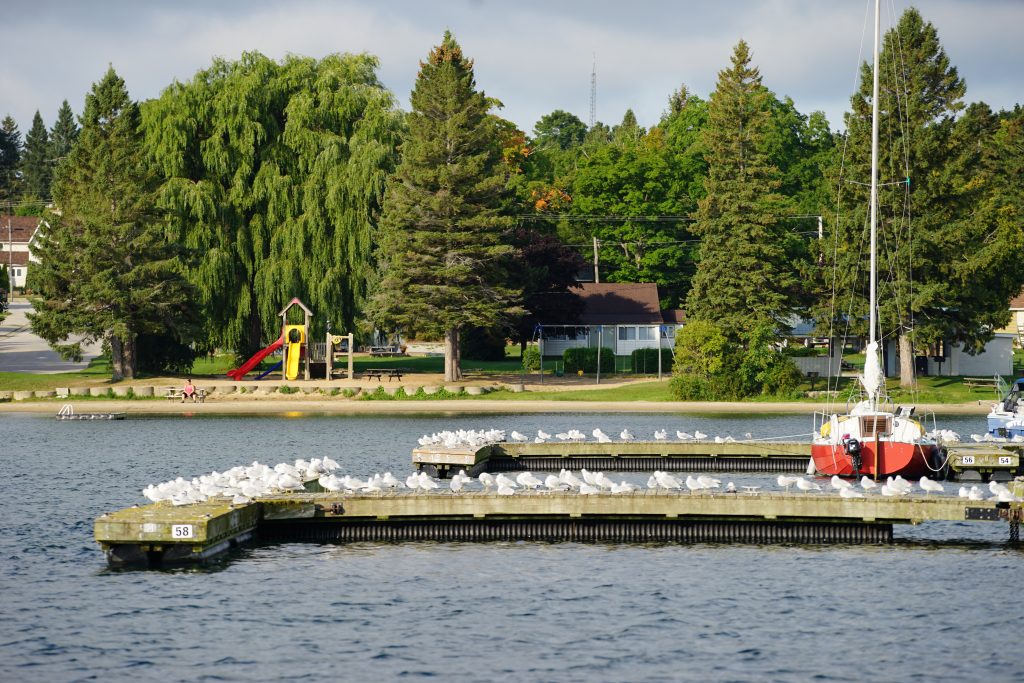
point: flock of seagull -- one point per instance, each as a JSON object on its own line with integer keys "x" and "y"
{"x": 897, "y": 486}
{"x": 470, "y": 438}
{"x": 244, "y": 483}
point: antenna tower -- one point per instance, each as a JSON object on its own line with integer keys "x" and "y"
{"x": 593, "y": 93}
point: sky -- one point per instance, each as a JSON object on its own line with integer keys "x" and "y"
{"x": 535, "y": 56}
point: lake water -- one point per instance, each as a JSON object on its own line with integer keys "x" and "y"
{"x": 941, "y": 604}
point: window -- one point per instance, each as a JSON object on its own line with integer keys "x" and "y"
{"x": 647, "y": 333}
{"x": 627, "y": 333}
{"x": 668, "y": 331}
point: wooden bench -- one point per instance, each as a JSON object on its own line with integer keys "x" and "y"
{"x": 173, "y": 394}
{"x": 380, "y": 373}
{"x": 981, "y": 382}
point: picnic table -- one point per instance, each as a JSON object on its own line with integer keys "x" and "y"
{"x": 981, "y": 382}
{"x": 173, "y": 394}
{"x": 386, "y": 351}
{"x": 380, "y": 373}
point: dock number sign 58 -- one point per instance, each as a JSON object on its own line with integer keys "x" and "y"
{"x": 180, "y": 531}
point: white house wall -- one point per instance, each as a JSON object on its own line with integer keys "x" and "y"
{"x": 996, "y": 359}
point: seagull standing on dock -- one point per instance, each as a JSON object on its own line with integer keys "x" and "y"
{"x": 486, "y": 480}
{"x": 807, "y": 486}
{"x": 867, "y": 483}
{"x": 699, "y": 435}
{"x": 930, "y": 486}
{"x": 660, "y": 435}
{"x": 601, "y": 436}
{"x": 839, "y": 484}
{"x": 683, "y": 436}
{"x": 516, "y": 436}
{"x": 786, "y": 481}
{"x": 542, "y": 436}
{"x": 626, "y": 435}
{"x": 527, "y": 480}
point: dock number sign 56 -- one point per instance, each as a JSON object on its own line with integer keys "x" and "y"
{"x": 180, "y": 531}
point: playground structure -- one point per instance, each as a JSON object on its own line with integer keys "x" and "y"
{"x": 294, "y": 344}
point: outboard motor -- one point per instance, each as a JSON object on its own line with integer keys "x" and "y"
{"x": 852, "y": 448}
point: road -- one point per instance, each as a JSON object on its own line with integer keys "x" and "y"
{"x": 22, "y": 351}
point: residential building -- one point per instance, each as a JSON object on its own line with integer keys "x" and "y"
{"x": 17, "y": 234}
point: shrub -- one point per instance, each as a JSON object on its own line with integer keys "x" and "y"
{"x": 531, "y": 359}
{"x": 645, "y": 361}
{"x": 585, "y": 359}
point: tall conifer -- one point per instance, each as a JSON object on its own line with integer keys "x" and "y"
{"x": 10, "y": 162}
{"x": 36, "y": 164}
{"x": 441, "y": 232}
{"x": 744, "y": 277}
{"x": 63, "y": 136}
{"x": 106, "y": 272}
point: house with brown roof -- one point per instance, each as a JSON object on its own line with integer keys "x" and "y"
{"x": 17, "y": 234}
{"x": 616, "y": 315}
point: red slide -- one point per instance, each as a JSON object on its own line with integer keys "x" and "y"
{"x": 240, "y": 372}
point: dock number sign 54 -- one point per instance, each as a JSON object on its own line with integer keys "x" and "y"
{"x": 180, "y": 531}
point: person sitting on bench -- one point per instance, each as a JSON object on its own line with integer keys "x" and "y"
{"x": 189, "y": 391}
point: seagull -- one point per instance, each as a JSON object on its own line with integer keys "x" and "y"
{"x": 553, "y": 483}
{"x": 391, "y": 482}
{"x": 455, "y": 484}
{"x": 975, "y": 493}
{"x": 785, "y": 481}
{"x": 660, "y": 434}
{"x": 487, "y": 480}
{"x": 838, "y": 483}
{"x": 527, "y": 480}
{"x": 683, "y": 436}
{"x": 601, "y": 436}
{"x": 930, "y": 486}
{"x": 667, "y": 481}
{"x": 542, "y": 435}
{"x": 603, "y": 481}
{"x": 588, "y": 477}
{"x": 806, "y": 486}
{"x": 413, "y": 481}
{"x": 730, "y": 487}
{"x": 623, "y": 487}
{"x": 709, "y": 482}
{"x": 502, "y": 480}
{"x": 504, "y": 490}
{"x": 652, "y": 482}
{"x": 699, "y": 435}
{"x": 850, "y": 492}
{"x": 887, "y": 491}
{"x": 587, "y": 489}
{"x": 626, "y": 435}
{"x": 516, "y": 436}
{"x": 569, "y": 479}
{"x": 868, "y": 484}
{"x": 964, "y": 492}
{"x": 692, "y": 484}
{"x": 426, "y": 483}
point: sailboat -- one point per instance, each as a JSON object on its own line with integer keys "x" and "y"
{"x": 873, "y": 438}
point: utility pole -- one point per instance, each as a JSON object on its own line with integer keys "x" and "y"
{"x": 10, "y": 260}
{"x": 597, "y": 276}
{"x": 593, "y": 93}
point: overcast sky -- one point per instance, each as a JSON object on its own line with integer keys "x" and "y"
{"x": 534, "y": 55}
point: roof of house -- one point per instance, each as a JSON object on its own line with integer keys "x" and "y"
{"x": 611, "y": 303}
{"x": 17, "y": 258}
{"x": 1018, "y": 301}
{"x": 21, "y": 228}
{"x": 676, "y": 316}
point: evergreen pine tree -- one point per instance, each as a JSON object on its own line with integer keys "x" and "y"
{"x": 36, "y": 164}
{"x": 441, "y": 232}
{"x": 10, "y": 162}
{"x": 106, "y": 272}
{"x": 744, "y": 277}
{"x": 930, "y": 180}
{"x": 63, "y": 136}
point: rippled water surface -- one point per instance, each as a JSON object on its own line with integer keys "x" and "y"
{"x": 940, "y": 604}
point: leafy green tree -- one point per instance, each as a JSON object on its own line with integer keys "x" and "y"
{"x": 105, "y": 271}
{"x": 10, "y": 161}
{"x": 275, "y": 174}
{"x": 744, "y": 276}
{"x": 441, "y": 249}
{"x": 36, "y": 164}
{"x": 559, "y": 130}
{"x": 705, "y": 363}
{"x": 764, "y": 369}
{"x": 626, "y": 194}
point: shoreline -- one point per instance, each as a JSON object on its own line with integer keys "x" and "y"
{"x": 278, "y": 406}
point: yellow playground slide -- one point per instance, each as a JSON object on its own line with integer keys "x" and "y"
{"x": 294, "y": 339}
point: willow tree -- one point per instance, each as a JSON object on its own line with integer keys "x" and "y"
{"x": 441, "y": 247}
{"x": 105, "y": 271}
{"x": 744, "y": 276}
{"x": 275, "y": 173}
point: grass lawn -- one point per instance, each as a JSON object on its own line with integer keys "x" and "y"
{"x": 97, "y": 372}
{"x": 641, "y": 391}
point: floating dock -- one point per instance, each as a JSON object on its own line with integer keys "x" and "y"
{"x": 970, "y": 461}
{"x": 161, "y": 535}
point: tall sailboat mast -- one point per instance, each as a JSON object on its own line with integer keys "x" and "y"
{"x": 873, "y": 301}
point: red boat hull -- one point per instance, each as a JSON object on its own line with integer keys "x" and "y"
{"x": 908, "y": 460}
